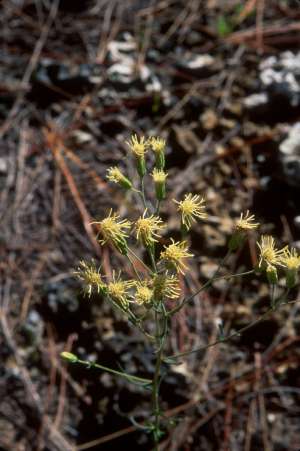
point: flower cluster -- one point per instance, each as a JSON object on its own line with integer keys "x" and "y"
{"x": 160, "y": 281}
{"x": 160, "y": 266}
{"x": 271, "y": 258}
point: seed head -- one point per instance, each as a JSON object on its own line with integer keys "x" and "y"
{"x": 138, "y": 146}
{"x": 175, "y": 254}
{"x": 246, "y": 222}
{"x": 113, "y": 230}
{"x": 147, "y": 228}
{"x": 166, "y": 286}
{"x": 91, "y": 278}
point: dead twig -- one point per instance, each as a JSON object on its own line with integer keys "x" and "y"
{"x": 55, "y": 144}
{"x": 30, "y": 67}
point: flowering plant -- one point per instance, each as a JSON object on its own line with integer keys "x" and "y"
{"x": 154, "y": 295}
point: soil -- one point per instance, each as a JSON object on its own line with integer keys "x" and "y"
{"x": 77, "y": 79}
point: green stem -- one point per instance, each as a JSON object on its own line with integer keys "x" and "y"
{"x": 206, "y": 285}
{"x": 115, "y": 372}
{"x": 237, "y": 333}
{"x": 157, "y": 208}
{"x": 143, "y": 193}
{"x": 151, "y": 252}
{"x": 160, "y": 340}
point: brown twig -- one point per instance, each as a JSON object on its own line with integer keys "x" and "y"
{"x": 55, "y": 144}
{"x": 31, "y": 66}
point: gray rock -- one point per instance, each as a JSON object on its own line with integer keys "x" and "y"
{"x": 289, "y": 154}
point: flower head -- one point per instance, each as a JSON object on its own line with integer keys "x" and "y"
{"x": 269, "y": 255}
{"x": 147, "y": 228}
{"x": 115, "y": 175}
{"x": 113, "y": 230}
{"x": 246, "y": 222}
{"x": 290, "y": 259}
{"x": 91, "y": 277}
{"x": 175, "y": 254}
{"x": 118, "y": 290}
{"x": 158, "y": 145}
{"x": 166, "y": 286}
{"x": 143, "y": 294}
{"x": 191, "y": 207}
{"x": 159, "y": 176}
{"x": 138, "y": 146}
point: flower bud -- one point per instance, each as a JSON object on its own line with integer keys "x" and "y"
{"x": 159, "y": 178}
{"x": 158, "y": 145}
{"x": 116, "y": 176}
{"x": 69, "y": 357}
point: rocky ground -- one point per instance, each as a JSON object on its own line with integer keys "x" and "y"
{"x": 220, "y": 81}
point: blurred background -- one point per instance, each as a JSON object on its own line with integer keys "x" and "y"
{"x": 220, "y": 81}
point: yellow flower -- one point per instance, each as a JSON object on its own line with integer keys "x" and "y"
{"x": 91, "y": 277}
{"x": 246, "y": 222}
{"x": 138, "y": 146}
{"x": 159, "y": 176}
{"x": 157, "y": 144}
{"x": 113, "y": 230}
{"x": 269, "y": 255}
{"x": 143, "y": 294}
{"x": 191, "y": 207}
{"x": 174, "y": 255}
{"x": 115, "y": 175}
{"x": 165, "y": 286}
{"x": 147, "y": 228}
{"x": 118, "y": 290}
{"x": 290, "y": 259}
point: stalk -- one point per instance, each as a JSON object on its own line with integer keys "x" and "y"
{"x": 160, "y": 340}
